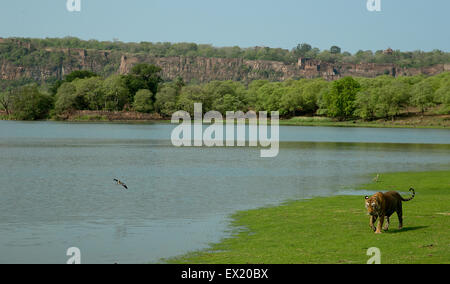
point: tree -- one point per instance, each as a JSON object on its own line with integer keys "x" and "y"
{"x": 191, "y": 95}
{"x": 342, "y": 97}
{"x": 179, "y": 84}
{"x": 388, "y": 104}
{"x": 423, "y": 96}
{"x": 269, "y": 97}
{"x": 6, "y": 101}
{"x": 252, "y": 92}
{"x": 444, "y": 97}
{"x": 166, "y": 100}
{"x": 326, "y": 56}
{"x": 310, "y": 96}
{"x": 302, "y": 50}
{"x": 335, "y": 49}
{"x": 143, "y": 101}
{"x": 143, "y": 76}
{"x": 116, "y": 94}
{"x": 291, "y": 100}
{"x": 229, "y": 102}
{"x": 402, "y": 92}
{"x": 366, "y": 103}
{"x": 226, "y": 96}
{"x": 79, "y": 74}
{"x": 383, "y": 96}
{"x": 301, "y": 96}
{"x": 81, "y": 94}
{"x": 91, "y": 93}
{"x": 323, "y": 101}
{"x": 30, "y": 104}
{"x": 53, "y": 89}
{"x": 66, "y": 99}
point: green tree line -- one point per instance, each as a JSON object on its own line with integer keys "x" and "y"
{"x": 144, "y": 91}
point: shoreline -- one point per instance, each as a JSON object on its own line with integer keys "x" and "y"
{"x": 425, "y": 122}
{"x": 317, "y": 230}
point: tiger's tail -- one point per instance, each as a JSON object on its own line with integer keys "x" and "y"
{"x": 412, "y": 197}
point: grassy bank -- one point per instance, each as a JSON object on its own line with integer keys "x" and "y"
{"x": 336, "y": 229}
{"x": 429, "y": 120}
{"x": 415, "y": 121}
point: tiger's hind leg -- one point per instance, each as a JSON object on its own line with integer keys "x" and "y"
{"x": 388, "y": 222}
{"x": 400, "y": 216}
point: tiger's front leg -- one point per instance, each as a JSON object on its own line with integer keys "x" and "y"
{"x": 373, "y": 219}
{"x": 380, "y": 225}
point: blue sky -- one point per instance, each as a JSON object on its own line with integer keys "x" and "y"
{"x": 402, "y": 24}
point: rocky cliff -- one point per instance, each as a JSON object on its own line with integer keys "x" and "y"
{"x": 54, "y": 63}
{"x": 208, "y": 69}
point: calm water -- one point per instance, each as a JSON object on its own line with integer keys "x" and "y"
{"x": 56, "y": 188}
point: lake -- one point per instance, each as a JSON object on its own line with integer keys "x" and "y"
{"x": 57, "y": 189}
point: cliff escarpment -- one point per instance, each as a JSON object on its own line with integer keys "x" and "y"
{"x": 207, "y": 69}
{"x": 23, "y": 61}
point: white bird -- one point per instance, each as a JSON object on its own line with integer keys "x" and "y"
{"x": 377, "y": 178}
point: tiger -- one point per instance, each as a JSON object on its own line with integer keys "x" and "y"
{"x": 383, "y": 205}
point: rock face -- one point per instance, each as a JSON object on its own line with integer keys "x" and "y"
{"x": 75, "y": 59}
{"x": 192, "y": 69}
{"x": 207, "y": 69}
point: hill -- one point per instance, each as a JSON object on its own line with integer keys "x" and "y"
{"x": 48, "y": 60}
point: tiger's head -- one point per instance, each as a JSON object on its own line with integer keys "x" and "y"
{"x": 372, "y": 204}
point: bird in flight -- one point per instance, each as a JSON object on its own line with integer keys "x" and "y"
{"x": 118, "y": 182}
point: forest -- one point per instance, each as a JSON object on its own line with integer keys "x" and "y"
{"x": 143, "y": 90}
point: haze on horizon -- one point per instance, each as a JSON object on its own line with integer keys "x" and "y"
{"x": 402, "y": 24}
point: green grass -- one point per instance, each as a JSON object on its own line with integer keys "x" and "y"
{"x": 99, "y": 118}
{"x": 413, "y": 122}
{"x": 336, "y": 229}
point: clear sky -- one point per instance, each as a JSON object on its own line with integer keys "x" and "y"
{"x": 401, "y": 24}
